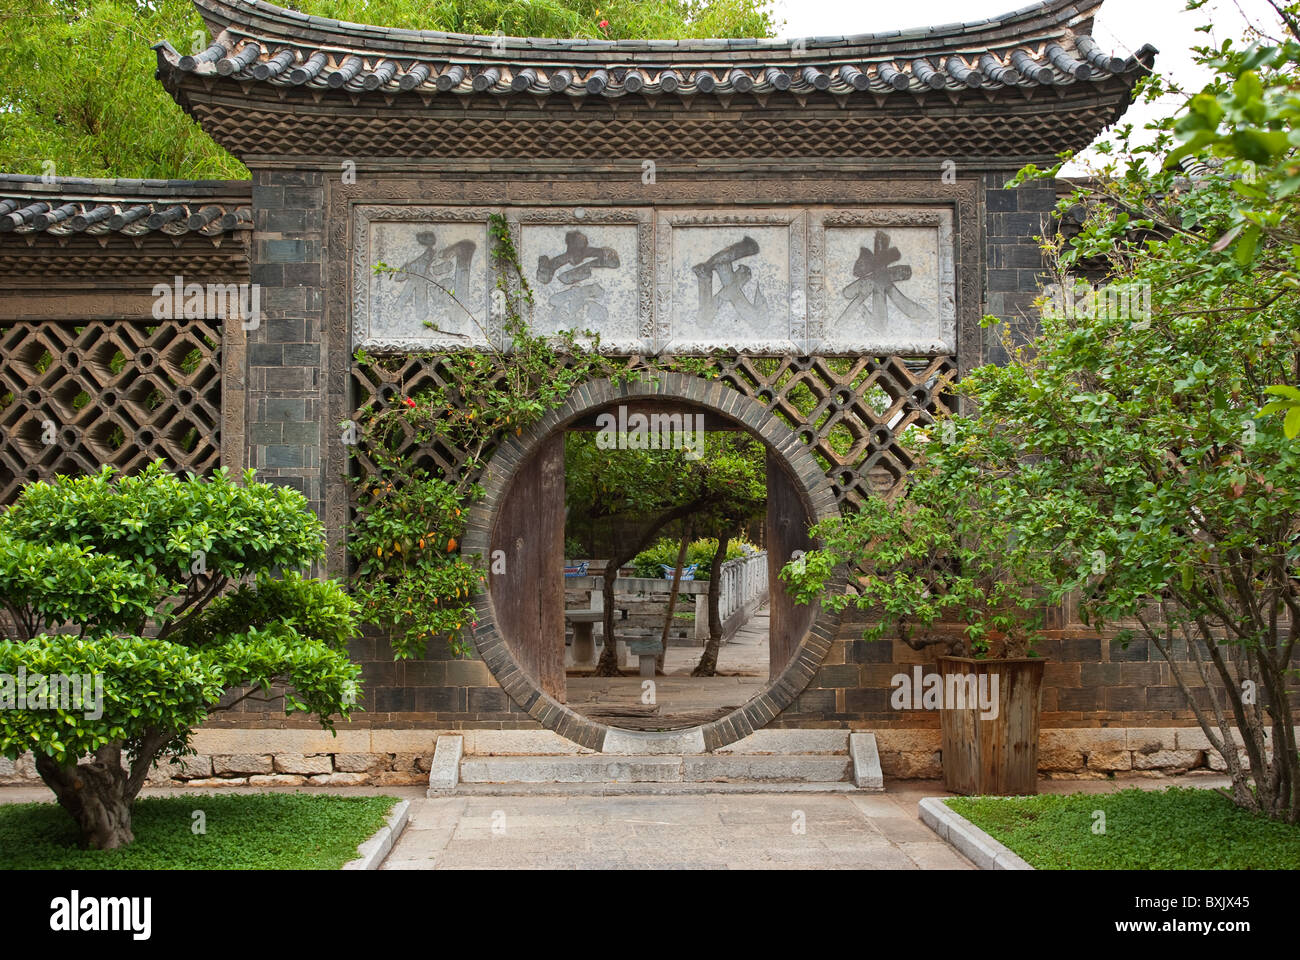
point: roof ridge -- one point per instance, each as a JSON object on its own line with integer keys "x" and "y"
{"x": 105, "y": 187}
{"x": 252, "y": 17}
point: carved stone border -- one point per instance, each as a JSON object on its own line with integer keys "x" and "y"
{"x": 821, "y": 333}
{"x": 363, "y": 216}
{"x": 666, "y": 338}
{"x": 516, "y": 453}
{"x": 640, "y": 217}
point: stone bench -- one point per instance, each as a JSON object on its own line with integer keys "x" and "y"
{"x": 646, "y": 649}
{"x": 584, "y": 641}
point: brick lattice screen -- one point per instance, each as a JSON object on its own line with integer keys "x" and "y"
{"x": 850, "y": 410}
{"x": 121, "y": 393}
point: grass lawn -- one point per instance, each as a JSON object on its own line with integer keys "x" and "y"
{"x": 1174, "y": 829}
{"x": 267, "y": 831}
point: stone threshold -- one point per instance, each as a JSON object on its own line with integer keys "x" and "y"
{"x": 826, "y": 759}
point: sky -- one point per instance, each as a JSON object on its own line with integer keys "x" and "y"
{"x": 1122, "y": 27}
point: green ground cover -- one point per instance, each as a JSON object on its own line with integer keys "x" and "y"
{"x": 270, "y": 831}
{"x": 1174, "y": 829}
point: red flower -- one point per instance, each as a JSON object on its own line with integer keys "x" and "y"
{"x": 408, "y": 401}
{"x": 604, "y": 24}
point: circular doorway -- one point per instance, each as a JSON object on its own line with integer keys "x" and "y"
{"x": 811, "y": 494}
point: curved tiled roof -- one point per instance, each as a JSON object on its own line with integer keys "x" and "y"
{"x": 64, "y": 206}
{"x": 1046, "y": 45}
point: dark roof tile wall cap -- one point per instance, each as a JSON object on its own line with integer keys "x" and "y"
{"x": 99, "y": 206}
{"x": 254, "y": 18}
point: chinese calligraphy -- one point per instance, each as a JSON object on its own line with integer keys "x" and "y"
{"x": 578, "y": 299}
{"x": 430, "y": 280}
{"x": 733, "y": 278}
{"x": 877, "y": 282}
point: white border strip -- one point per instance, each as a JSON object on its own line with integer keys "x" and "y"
{"x": 378, "y": 846}
{"x": 968, "y": 839}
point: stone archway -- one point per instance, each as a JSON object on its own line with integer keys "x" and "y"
{"x": 531, "y": 459}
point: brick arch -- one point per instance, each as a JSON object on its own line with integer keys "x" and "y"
{"x": 817, "y": 499}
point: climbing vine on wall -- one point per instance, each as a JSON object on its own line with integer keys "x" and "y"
{"x": 409, "y": 575}
{"x": 428, "y": 424}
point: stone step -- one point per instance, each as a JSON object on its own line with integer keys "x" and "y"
{"x": 787, "y": 768}
{"x": 653, "y": 768}
{"x": 806, "y": 759}
{"x": 591, "y": 768}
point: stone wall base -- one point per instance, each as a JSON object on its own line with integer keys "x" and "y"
{"x": 235, "y": 757}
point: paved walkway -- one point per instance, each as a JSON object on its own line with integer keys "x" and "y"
{"x": 814, "y": 831}
{"x": 543, "y": 830}
{"x": 714, "y": 831}
{"x": 742, "y": 665}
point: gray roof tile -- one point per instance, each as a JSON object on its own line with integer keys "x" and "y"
{"x": 72, "y": 205}
{"x": 722, "y": 66}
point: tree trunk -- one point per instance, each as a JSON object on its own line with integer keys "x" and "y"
{"x": 672, "y": 599}
{"x": 95, "y": 795}
{"x": 98, "y": 793}
{"x": 708, "y": 665}
{"x": 608, "y": 664}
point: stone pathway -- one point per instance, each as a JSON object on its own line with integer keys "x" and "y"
{"x": 656, "y": 831}
{"x": 542, "y": 829}
{"x": 742, "y": 660}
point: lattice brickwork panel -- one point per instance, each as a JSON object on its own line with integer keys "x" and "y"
{"x": 851, "y": 410}
{"x": 76, "y": 397}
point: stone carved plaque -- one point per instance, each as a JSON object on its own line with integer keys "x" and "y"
{"x": 886, "y": 281}
{"x": 589, "y": 269}
{"x": 732, "y": 280}
{"x": 439, "y": 298}
{"x": 751, "y": 280}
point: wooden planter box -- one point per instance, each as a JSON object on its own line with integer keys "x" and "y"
{"x": 995, "y": 755}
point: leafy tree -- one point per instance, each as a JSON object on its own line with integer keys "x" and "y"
{"x": 739, "y": 474}
{"x": 1121, "y": 450}
{"x": 652, "y": 490}
{"x": 80, "y": 92}
{"x": 940, "y": 565}
{"x": 125, "y": 581}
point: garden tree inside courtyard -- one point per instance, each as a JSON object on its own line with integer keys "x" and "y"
{"x": 1120, "y": 455}
{"x": 61, "y": 56}
{"x": 125, "y": 581}
{"x": 643, "y": 493}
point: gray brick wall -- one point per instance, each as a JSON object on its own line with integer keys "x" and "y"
{"x": 285, "y": 409}
{"x": 1014, "y": 270}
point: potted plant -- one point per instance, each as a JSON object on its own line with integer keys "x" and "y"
{"x": 938, "y": 566}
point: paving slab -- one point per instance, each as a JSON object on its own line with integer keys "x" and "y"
{"x": 658, "y": 832}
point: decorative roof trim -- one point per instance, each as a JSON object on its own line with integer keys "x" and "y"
{"x": 1050, "y": 18}
{"x": 66, "y": 206}
{"x": 1044, "y": 45}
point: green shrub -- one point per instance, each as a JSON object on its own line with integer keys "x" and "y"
{"x": 700, "y": 552}
{"x": 121, "y": 582}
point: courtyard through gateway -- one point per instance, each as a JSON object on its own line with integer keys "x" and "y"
{"x": 685, "y": 700}
{"x": 671, "y": 666}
